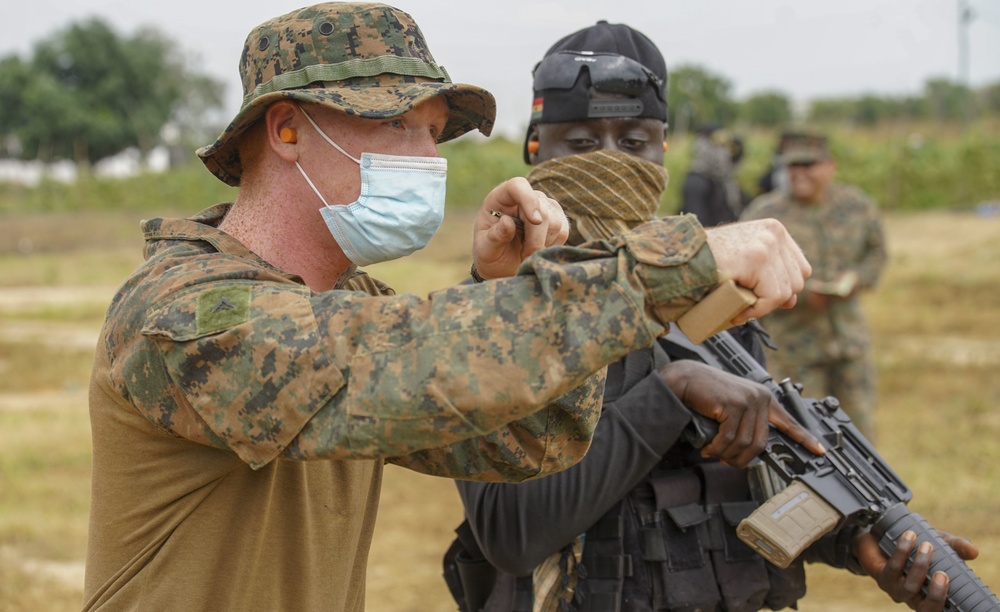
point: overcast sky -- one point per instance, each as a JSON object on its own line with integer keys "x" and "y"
{"x": 805, "y": 48}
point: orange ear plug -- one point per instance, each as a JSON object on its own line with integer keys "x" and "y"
{"x": 533, "y": 147}
{"x": 665, "y": 146}
{"x": 287, "y": 135}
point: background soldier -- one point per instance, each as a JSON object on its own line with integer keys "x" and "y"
{"x": 711, "y": 190}
{"x": 824, "y": 341}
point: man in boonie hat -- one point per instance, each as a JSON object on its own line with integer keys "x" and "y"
{"x": 250, "y": 381}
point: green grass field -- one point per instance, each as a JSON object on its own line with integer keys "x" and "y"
{"x": 936, "y": 322}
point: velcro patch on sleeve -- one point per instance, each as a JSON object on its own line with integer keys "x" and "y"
{"x": 222, "y": 308}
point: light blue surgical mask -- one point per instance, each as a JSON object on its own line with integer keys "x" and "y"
{"x": 400, "y": 208}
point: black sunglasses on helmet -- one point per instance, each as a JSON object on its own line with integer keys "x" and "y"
{"x": 609, "y": 72}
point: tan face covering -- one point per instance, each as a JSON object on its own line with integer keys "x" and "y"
{"x": 604, "y": 193}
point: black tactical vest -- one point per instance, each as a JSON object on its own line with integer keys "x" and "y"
{"x": 669, "y": 545}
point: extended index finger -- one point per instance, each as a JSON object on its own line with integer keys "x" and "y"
{"x": 536, "y": 227}
{"x": 788, "y": 425}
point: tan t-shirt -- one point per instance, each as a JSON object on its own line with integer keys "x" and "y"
{"x": 168, "y": 513}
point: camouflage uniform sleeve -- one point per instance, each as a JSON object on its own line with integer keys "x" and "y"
{"x": 424, "y": 374}
{"x": 548, "y": 441}
{"x": 271, "y": 370}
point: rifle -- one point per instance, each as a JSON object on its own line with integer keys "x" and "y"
{"x": 810, "y": 495}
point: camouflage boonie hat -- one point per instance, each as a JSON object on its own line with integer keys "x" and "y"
{"x": 365, "y": 59}
{"x": 803, "y": 148}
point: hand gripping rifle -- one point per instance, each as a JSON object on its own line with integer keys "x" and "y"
{"x": 810, "y": 495}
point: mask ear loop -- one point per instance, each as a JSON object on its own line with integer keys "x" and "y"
{"x": 335, "y": 146}
{"x": 327, "y": 138}
{"x": 308, "y": 180}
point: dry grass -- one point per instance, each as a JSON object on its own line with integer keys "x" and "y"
{"x": 937, "y": 334}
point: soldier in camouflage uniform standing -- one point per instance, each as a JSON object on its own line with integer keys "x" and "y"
{"x": 250, "y": 382}
{"x": 824, "y": 341}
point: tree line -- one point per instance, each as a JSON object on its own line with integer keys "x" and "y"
{"x": 86, "y": 92}
{"x": 697, "y": 97}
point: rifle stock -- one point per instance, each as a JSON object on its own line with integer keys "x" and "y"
{"x": 850, "y": 484}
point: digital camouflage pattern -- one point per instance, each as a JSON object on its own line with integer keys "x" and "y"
{"x": 225, "y": 392}
{"x": 365, "y": 59}
{"x": 341, "y": 374}
{"x": 829, "y": 350}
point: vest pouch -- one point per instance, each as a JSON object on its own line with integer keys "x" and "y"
{"x": 472, "y": 580}
{"x": 731, "y": 514}
{"x": 478, "y": 579}
{"x": 741, "y": 573}
{"x": 685, "y": 526}
{"x": 681, "y": 573}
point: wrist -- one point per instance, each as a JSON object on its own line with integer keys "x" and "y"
{"x": 676, "y": 375}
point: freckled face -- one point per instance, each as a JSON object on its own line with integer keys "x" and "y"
{"x": 413, "y": 133}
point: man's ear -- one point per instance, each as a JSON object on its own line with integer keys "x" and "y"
{"x": 281, "y": 121}
{"x": 532, "y": 146}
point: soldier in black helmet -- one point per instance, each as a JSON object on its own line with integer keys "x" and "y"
{"x": 645, "y": 521}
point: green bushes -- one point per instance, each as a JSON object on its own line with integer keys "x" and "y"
{"x": 921, "y": 168}
{"x": 904, "y": 167}
{"x": 186, "y": 189}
